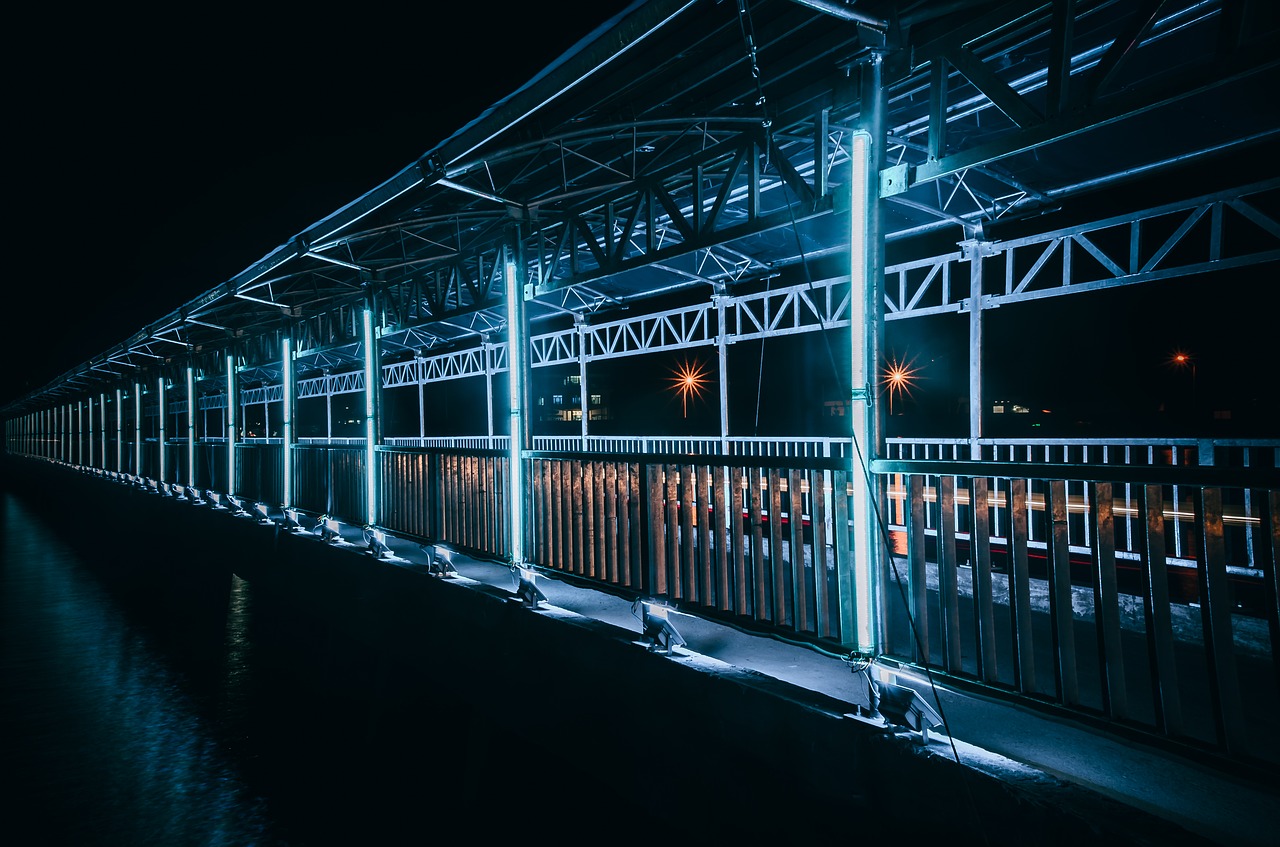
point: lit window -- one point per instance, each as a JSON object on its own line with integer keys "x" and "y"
{"x": 558, "y": 399}
{"x": 596, "y": 400}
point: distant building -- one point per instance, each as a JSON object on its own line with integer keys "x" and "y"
{"x": 564, "y": 403}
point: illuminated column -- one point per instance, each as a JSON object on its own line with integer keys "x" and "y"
{"x": 164, "y": 412}
{"x": 372, "y": 388}
{"x": 90, "y": 401}
{"x": 328, "y": 406}
{"x": 418, "y": 377}
{"x": 191, "y": 426}
{"x": 80, "y": 432}
{"x": 861, "y": 623}
{"x": 973, "y": 252}
{"x": 137, "y": 428}
{"x": 581, "y": 327}
{"x": 102, "y": 426}
{"x": 288, "y": 393}
{"x": 232, "y": 417}
{"x": 517, "y": 390}
{"x": 487, "y": 350}
{"x": 722, "y": 358}
{"x": 119, "y": 430}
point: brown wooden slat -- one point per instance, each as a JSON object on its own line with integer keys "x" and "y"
{"x": 738, "y": 541}
{"x": 1267, "y": 555}
{"x": 759, "y": 583}
{"x": 917, "y": 575}
{"x": 1159, "y": 620}
{"x": 780, "y": 577}
{"x": 576, "y": 562}
{"x": 948, "y": 578}
{"x": 656, "y": 579}
{"x": 822, "y": 592}
{"x": 1060, "y": 606}
{"x": 800, "y": 575}
{"x": 612, "y": 530}
{"x": 980, "y": 564}
{"x": 586, "y": 493}
{"x": 721, "y": 563}
{"x": 633, "y": 572}
{"x": 598, "y": 494}
{"x": 1215, "y": 612}
{"x": 688, "y": 569}
{"x": 1106, "y": 602}
{"x": 844, "y": 556}
{"x": 702, "y": 527}
{"x": 1020, "y": 590}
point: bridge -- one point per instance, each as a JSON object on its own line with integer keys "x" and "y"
{"x": 702, "y": 178}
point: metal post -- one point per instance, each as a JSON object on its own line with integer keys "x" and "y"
{"x": 102, "y": 426}
{"x": 974, "y": 251}
{"x": 418, "y": 377}
{"x": 288, "y": 392}
{"x": 119, "y": 430}
{"x": 191, "y": 426}
{"x": 232, "y": 419}
{"x": 860, "y": 626}
{"x": 90, "y": 402}
{"x": 580, "y": 326}
{"x": 722, "y": 358}
{"x": 372, "y": 386}
{"x": 163, "y": 414}
{"x": 517, "y": 389}
{"x": 487, "y": 350}
{"x": 137, "y": 428}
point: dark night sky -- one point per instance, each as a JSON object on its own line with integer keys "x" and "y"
{"x": 156, "y": 158}
{"x": 153, "y": 164}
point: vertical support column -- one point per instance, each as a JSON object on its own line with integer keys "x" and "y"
{"x": 517, "y": 388}
{"x": 232, "y": 418}
{"x": 580, "y": 327}
{"x": 137, "y": 428}
{"x": 864, "y": 631}
{"x": 722, "y": 360}
{"x": 119, "y": 430}
{"x": 90, "y": 402}
{"x": 288, "y": 395}
{"x": 372, "y": 429}
{"x": 102, "y": 426}
{"x": 164, "y": 413}
{"x": 487, "y": 349}
{"x": 80, "y": 432}
{"x": 974, "y": 251}
{"x": 328, "y": 406}
{"x": 191, "y": 425}
{"x": 422, "y": 411}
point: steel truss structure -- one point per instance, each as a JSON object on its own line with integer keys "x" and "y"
{"x": 699, "y": 173}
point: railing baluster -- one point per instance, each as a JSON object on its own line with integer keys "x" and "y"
{"x": 1215, "y": 612}
{"x": 656, "y": 581}
{"x": 818, "y": 523}
{"x": 780, "y": 612}
{"x": 980, "y": 567}
{"x": 704, "y": 517}
{"x": 948, "y": 579}
{"x": 799, "y": 577}
{"x": 1267, "y": 555}
{"x": 688, "y": 567}
{"x": 917, "y": 573}
{"x": 759, "y": 594}
{"x": 1020, "y": 590}
{"x": 1060, "y": 607}
{"x": 1106, "y": 604}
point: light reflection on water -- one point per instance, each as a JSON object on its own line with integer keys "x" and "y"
{"x": 102, "y": 737}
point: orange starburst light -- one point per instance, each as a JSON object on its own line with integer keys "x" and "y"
{"x": 689, "y": 380}
{"x": 898, "y": 378}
